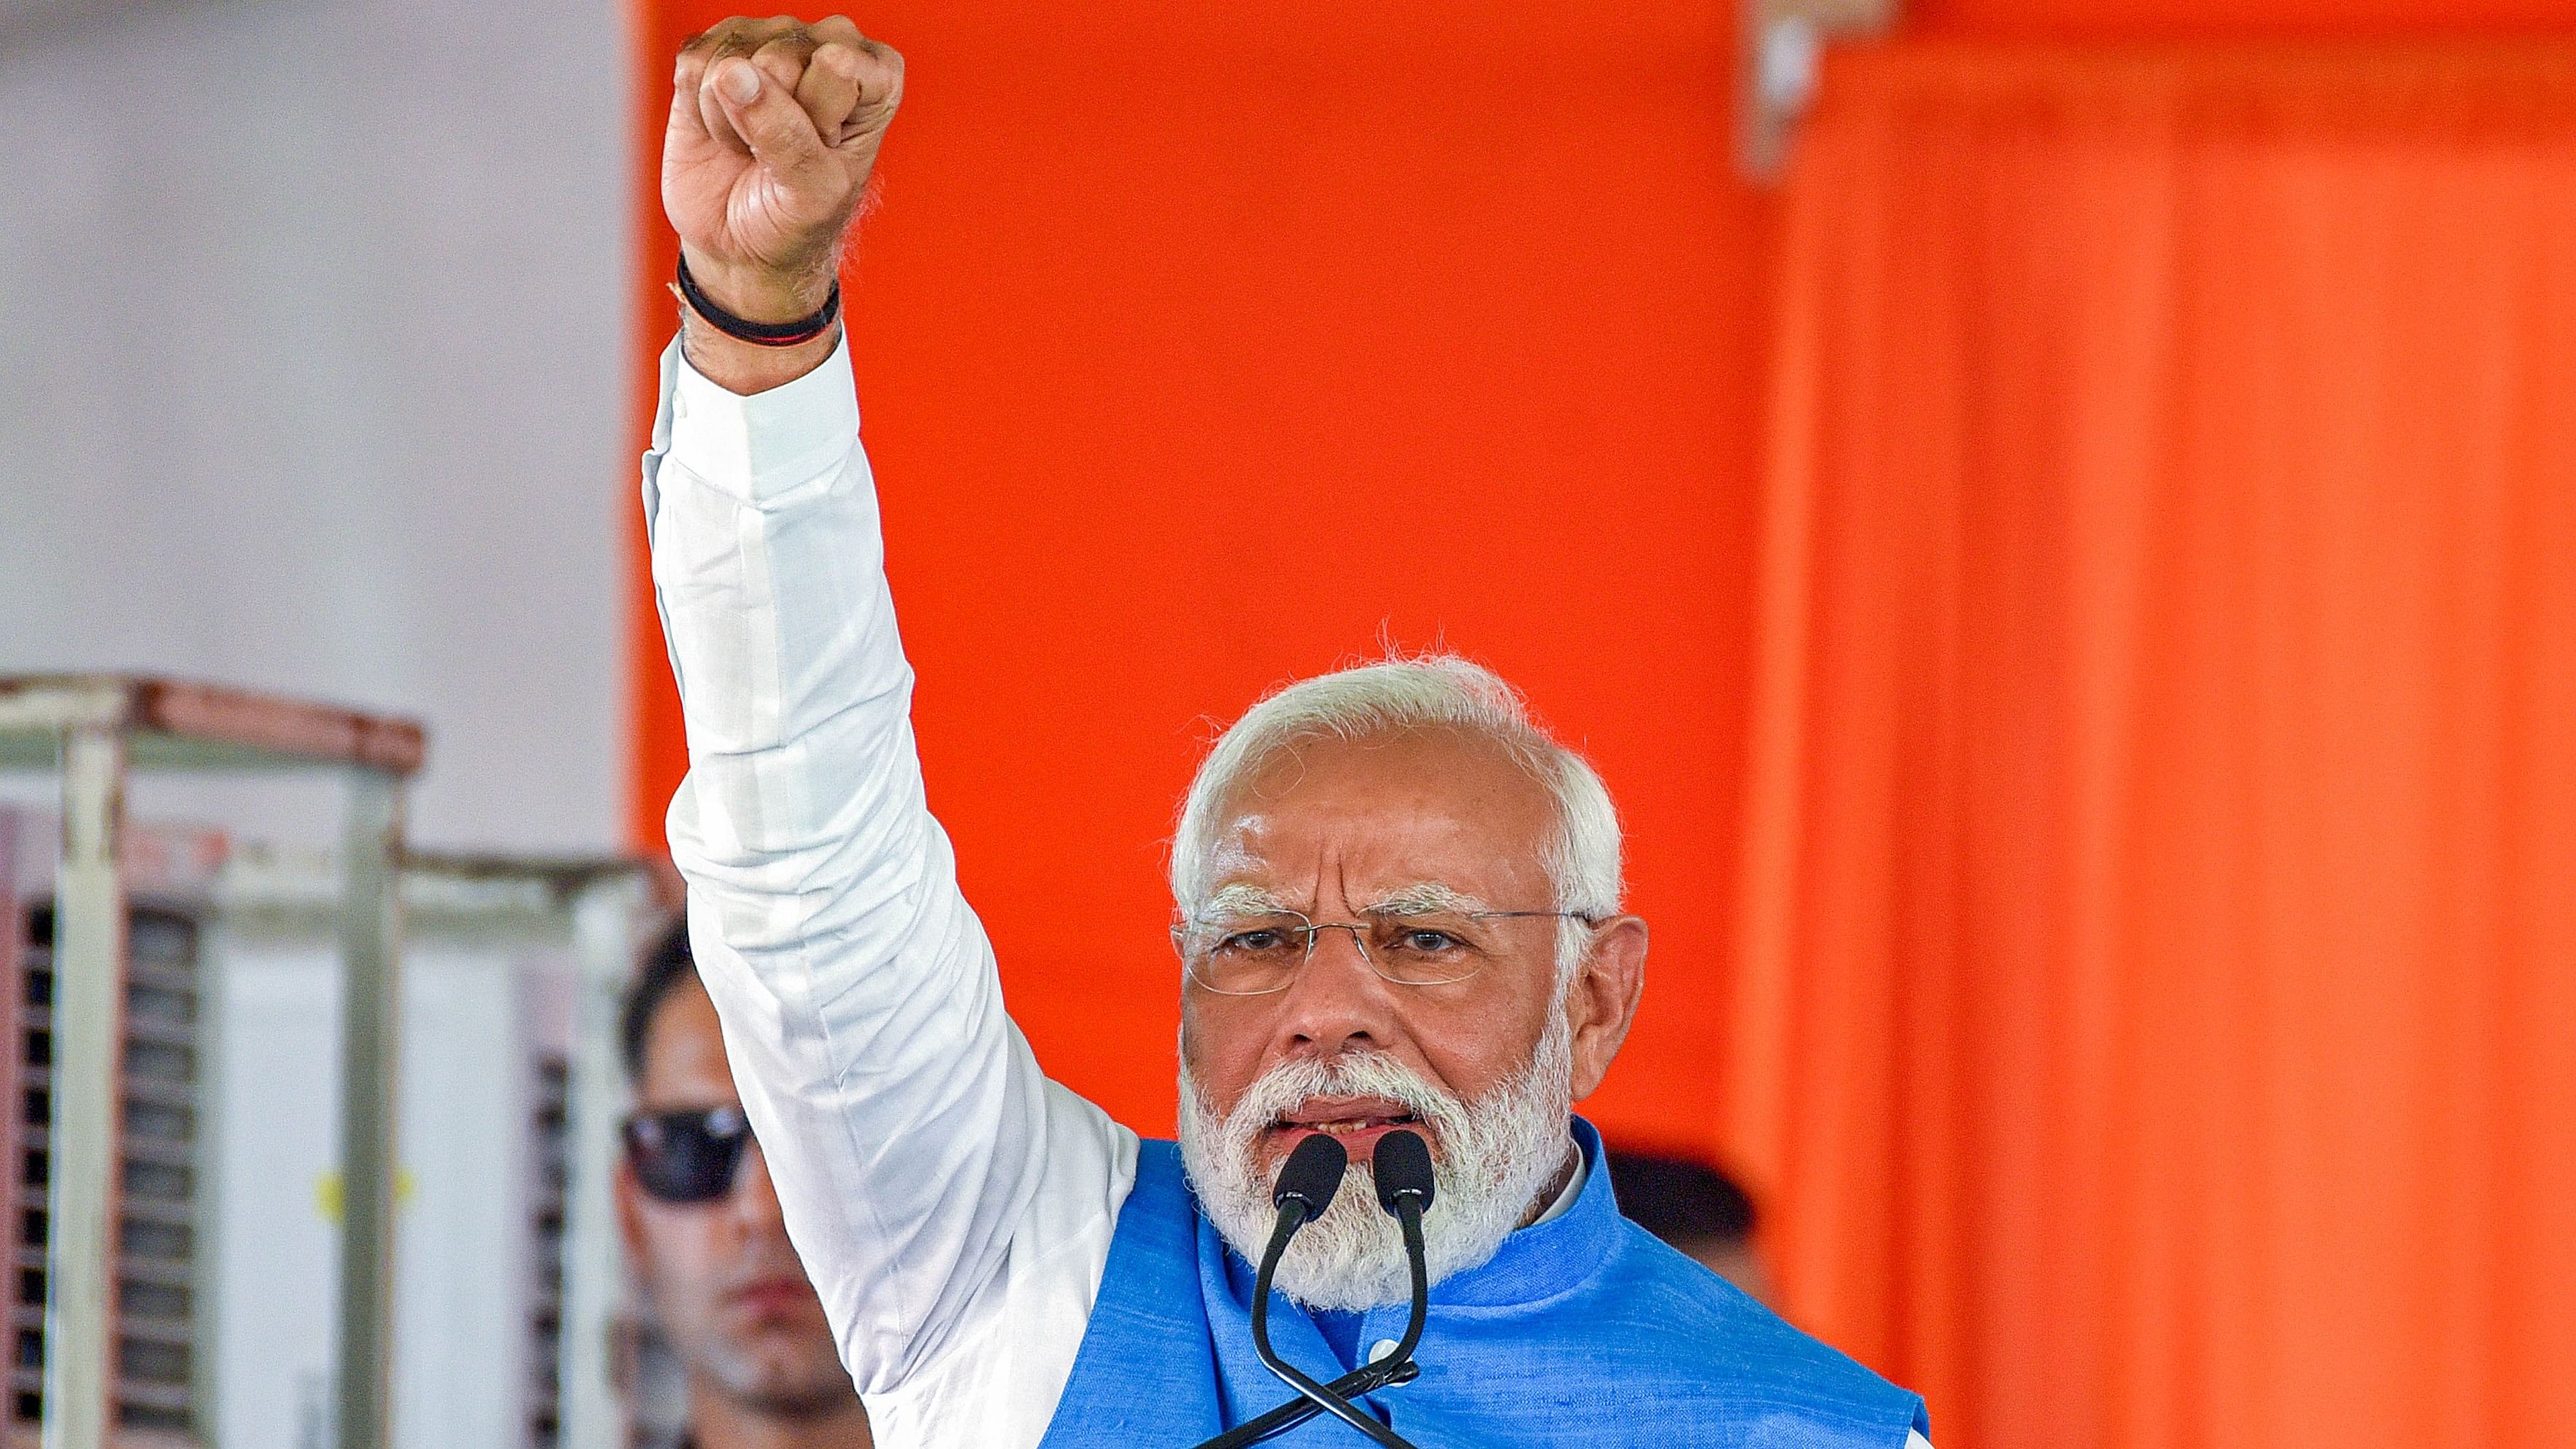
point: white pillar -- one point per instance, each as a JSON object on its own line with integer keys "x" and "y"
{"x": 370, "y": 1039}
{"x": 89, "y": 1047}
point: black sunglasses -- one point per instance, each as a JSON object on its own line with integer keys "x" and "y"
{"x": 687, "y": 1157}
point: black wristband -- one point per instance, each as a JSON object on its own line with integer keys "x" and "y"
{"x": 764, "y": 334}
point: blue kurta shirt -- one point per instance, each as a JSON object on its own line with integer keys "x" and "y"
{"x": 1582, "y": 1331}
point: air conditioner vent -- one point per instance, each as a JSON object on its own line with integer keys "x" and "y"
{"x": 548, "y": 1103}
{"x": 157, "y": 1201}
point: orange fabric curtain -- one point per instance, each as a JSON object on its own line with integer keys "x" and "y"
{"x": 1205, "y": 346}
{"x": 2157, "y": 1024}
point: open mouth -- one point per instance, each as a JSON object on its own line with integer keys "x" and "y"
{"x": 1356, "y": 1124}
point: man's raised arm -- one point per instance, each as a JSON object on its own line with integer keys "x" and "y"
{"x": 900, "y": 1114}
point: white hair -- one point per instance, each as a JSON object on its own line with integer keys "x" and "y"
{"x": 1400, "y": 696}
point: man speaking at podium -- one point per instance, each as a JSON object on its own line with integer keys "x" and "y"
{"x": 1398, "y": 923}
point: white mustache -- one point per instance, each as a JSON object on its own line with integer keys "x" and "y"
{"x": 1354, "y": 1074}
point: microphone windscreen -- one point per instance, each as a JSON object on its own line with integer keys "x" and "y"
{"x": 1312, "y": 1174}
{"x": 1401, "y": 1166}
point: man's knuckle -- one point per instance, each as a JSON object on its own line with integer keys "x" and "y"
{"x": 739, "y": 35}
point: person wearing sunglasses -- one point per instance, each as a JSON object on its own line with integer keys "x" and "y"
{"x": 702, "y": 1231}
{"x": 1397, "y": 907}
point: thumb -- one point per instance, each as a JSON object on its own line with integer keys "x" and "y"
{"x": 780, "y": 134}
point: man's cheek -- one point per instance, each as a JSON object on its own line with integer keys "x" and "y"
{"x": 682, "y": 1271}
{"x": 1211, "y": 1057}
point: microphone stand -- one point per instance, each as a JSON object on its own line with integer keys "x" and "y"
{"x": 1318, "y": 1396}
{"x": 1406, "y": 1199}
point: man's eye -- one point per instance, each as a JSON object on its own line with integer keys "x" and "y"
{"x": 1253, "y": 941}
{"x": 1430, "y": 942}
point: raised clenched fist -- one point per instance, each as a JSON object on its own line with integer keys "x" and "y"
{"x": 774, "y": 128}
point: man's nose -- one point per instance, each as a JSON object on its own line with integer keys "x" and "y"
{"x": 1337, "y": 1001}
{"x": 755, "y": 1198}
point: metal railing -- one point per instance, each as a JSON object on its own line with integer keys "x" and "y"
{"x": 96, "y": 730}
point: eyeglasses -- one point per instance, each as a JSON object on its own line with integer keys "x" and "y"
{"x": 687, "y": 1157}
{"x": 1261, "y": 952}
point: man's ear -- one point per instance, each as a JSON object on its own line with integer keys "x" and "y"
{"x": 1601, "y": 1000}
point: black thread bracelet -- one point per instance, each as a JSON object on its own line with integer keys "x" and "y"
{"x": 763, "y": 334}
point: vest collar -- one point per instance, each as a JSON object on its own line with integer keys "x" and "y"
{"x": 1550, "y": 1259}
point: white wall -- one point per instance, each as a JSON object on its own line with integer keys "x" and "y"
{"x": 313, "y": 373}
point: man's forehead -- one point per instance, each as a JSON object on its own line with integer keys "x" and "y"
{"x": 684, "y": 1053}
{"x": 1374, "y": 821}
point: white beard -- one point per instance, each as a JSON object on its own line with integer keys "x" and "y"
{"x": 1491, "y": 1160}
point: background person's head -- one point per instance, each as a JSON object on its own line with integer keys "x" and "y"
{"x": 1484, "y": 982}
{"x": 1696, "y": 1209}
{"x": 702, "y": 1225}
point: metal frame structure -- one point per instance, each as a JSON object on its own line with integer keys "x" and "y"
{"x": 610, "y": 902}
{"x": 97, "y": 729}
{"x": 591, "y": 1412}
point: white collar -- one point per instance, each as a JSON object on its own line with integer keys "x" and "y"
{"x": 1573, "y": 1189}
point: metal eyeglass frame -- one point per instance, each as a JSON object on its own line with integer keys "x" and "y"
{"x": 1359, "y": 937}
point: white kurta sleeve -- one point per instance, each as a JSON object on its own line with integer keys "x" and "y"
{"x": 901, "y": 1113}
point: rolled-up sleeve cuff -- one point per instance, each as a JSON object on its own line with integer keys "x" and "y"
{"x": 769, "y": 443}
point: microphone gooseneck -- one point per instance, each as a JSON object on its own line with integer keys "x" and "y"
{"x": 1401, "y": 1168}
{"x": 1402, "y": 1173}
{"x": 1312, "y": 1174}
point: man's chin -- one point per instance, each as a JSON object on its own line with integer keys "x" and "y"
{"x": 801, "y": 1401}
{"x": 789, "y": 1377}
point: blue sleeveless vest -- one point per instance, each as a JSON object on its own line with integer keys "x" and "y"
{"x": 1582, "y": 1331}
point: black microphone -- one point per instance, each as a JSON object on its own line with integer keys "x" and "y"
{"x": 1308, "y": 1180}
{"x": 1402, "y": 1172}
{"x": 1305, "y": 1188}
{"x": 1401, "y": 1168}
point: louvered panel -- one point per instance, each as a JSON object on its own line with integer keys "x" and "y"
{"x": 548, "y": 1120}
{"x": 157, "y": 1165}
{"x": 160, "y": 1117}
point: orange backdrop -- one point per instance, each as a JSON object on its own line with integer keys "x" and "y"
{"x": 1200, "y": 347}
{"x": 2160, "y": 919}
{"x": 2146, "y": 999}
